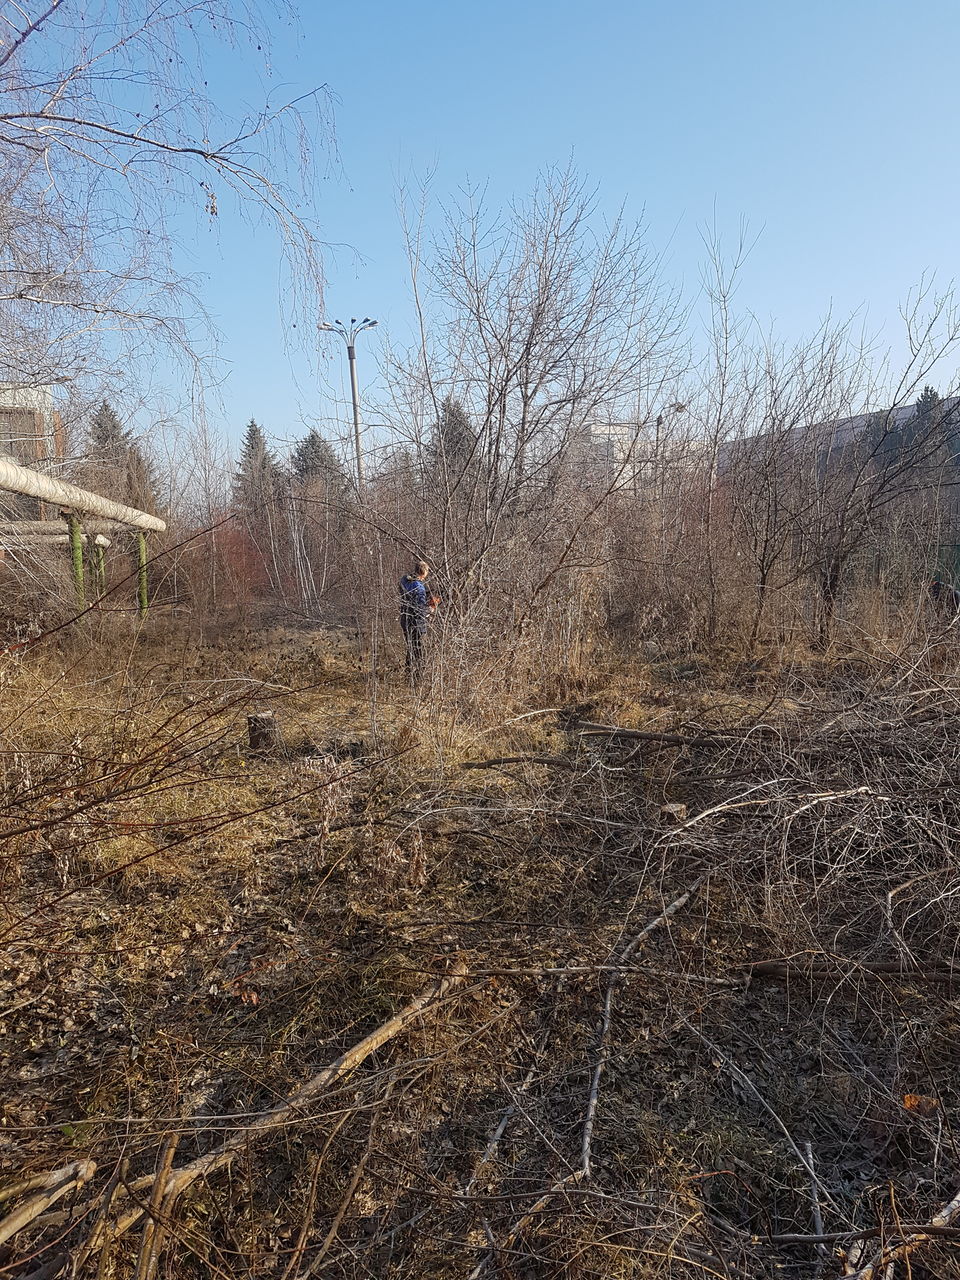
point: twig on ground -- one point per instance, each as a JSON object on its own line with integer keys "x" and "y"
{"x": 56, "y": 1184}
{"x": 815, "y": 1199}
{"x": 854, "y": 969}
{"x": 305, "y": 1224}
{"x": 153, "y": 1226}
{"x": 561, "y": 762}
{"x": 317, "y": 1264}
{"x": 890, "y": 1254}
{"x": 744, "y": 1079}
{"x": 494, "y": 1140}
{"x": 202, "y": 1167}
{"x": 522, "y": 1223}
{"x": 267, "y": 1122}
{"x": 603, "y": 1053}
{"x": 588, "y": 730}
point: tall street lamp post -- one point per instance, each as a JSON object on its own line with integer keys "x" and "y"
{"x": 349, "y": 334}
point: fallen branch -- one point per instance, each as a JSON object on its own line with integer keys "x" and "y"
{"x": 50, "y": 1269}
{"x": 870, "y": 1233}
{"x": 522, "y": 1223}
{"x": 46, "y": 1179}
{"x": 317, "y": 1263}
{"x": 815, "y": 1198}
{"x": 603, "y": 1053}
{"x": 244, "y": 1137}
{"x": 885, "y": 1258}
{"x": 182, "y": 1178}
{"x": 96, "y": 1232}
{"x": 853, "y": 969}
{"x": 56, "y": 1184}
{"x": 292, "y": 1266}
{"x": 560, "y": 761}
{"x": 153, "y": 1227}
{"x": 576, "y": 970}
{"x": 713, "y": 739}
{"x": 743, "y": 1079}
{"x": 494, "y": 1140}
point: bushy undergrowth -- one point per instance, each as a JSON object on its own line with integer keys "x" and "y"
{"x": 704, "y": 966}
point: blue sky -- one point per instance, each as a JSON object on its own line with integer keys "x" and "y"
{"x": 829, "y": 127}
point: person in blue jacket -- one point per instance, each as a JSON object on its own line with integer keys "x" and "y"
{"x": 416, "y": 608}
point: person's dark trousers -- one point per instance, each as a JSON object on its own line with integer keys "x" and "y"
{"x": 414, "y": 632}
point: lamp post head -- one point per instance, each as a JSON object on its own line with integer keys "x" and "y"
{"x": 347, "y": 332}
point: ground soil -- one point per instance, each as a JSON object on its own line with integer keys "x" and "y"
{"x": 192, "y": 930}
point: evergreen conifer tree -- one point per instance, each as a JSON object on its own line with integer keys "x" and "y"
{"x": 119, "y": 467}
{"x": 108, "y": 438}
{"x": 935, "y": 415}
{"x": 316, "y": 510}
{"x": 455, "y": 441}
{"x": 258, "y": 476}
{"x": 314, "y": 456}
{"x": 919, "y": 439}
{"x": 929, "y": 408}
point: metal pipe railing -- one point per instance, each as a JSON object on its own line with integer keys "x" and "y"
{"x": 14, "y": 542}
{"x": 17, "y": 479}
{"x": 50, "y": 528}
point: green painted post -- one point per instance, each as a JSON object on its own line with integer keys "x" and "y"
{"x": 76, "y": 556}
{"x": 101, "y": 568}
{"x": 142, "y": 595}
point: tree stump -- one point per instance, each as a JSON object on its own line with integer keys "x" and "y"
{"x": 263, "y": 732}
{"x": 673, "y": 813}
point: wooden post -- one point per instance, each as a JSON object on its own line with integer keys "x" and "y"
{"x": 100, "y": 567}
{"x": 264, "y": 732}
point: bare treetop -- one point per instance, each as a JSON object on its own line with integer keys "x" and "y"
{"x": 112, "y": 126}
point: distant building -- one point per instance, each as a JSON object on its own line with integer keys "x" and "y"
{"x": 832, "y": 443}
{"x": 607, "y": 451}
{"x": 31, "y": 432}
{"x": 30, "y": 427}
{"x": 920, "y": 454}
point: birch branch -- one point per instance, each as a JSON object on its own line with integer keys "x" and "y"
{"x": 57, "y": 1184}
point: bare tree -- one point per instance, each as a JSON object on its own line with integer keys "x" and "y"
{"x": 856, "y": 473}
{"x": 109, "y": 131}
{"x": 547, "y": 340}
{"x": 764, "y": 473}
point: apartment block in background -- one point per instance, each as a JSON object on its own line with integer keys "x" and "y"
{"x": 30, "y": 427}
{"x": 31, "y": 432}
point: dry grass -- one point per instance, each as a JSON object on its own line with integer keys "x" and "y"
{"x": 191, "y": 931}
